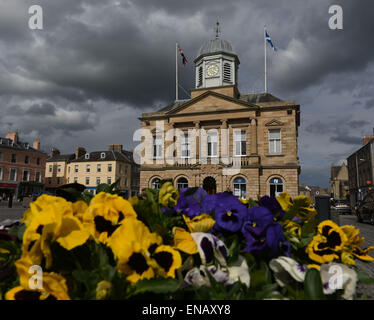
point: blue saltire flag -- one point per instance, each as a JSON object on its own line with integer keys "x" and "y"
{"x": 267, "y": 37}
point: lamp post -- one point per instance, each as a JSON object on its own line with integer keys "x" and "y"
{"x": 358, "y": 186}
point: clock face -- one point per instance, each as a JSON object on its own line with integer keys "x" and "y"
{"x": 212, "y": 70}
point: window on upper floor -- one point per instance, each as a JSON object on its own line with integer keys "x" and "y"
{"x": 38, "y": 161}
{"x": 1, "y": 173}
{"x": 157, "y": 147}
{"x": 87, "y": 181}
{"x": 26, "y": 175}
{"x": 88, "y": 168}
{"x": 240, "y": 142}
{"x": 1, "y": 156}
{"x": 59, "y": 168}
{"x": 109, "y": 180}
{"x": 275, "y": 143}
{"x": 38, "y": 176}
{"x": 185, "y": 145}
{"x": 200, "y": 81}
{"x": 27, "y": 159}
{"x": 76, "y": 168}
{"x": 50, "y": 168}
{"x": 13, "y": 174}
{"x": 212, "y": 143}
{"x": 109, "y": 167}
{"x": 98, "y": 181}
{"x": 14, "y": 158}
{"x": 99, "y": 168}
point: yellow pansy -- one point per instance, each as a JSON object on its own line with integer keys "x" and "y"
{"x": 79, "y": 209}
{"x": 105, "y": 213}
{"x": 168, "y": 260}
{"x": 201, "y": 223}
{"x": 103, "y": 290}
{"x": 168, "y": 195}
{"x": 325, "y": 245}
{"x": 301, "y": 205}
{"x": 183, "y": 241}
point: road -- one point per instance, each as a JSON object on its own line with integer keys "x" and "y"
{"x": 14, "y": 213}
{"x": 367, "y": 231}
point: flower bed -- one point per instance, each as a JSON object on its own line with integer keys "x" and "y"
{"x": 178, "y": 245}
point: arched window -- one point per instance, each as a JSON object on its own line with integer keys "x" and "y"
{"x": 182, "y": 183}
{"x": 240, "y": 188}
{"x": 276, "y": 187}
{"x": 156, "y": 183}
{"x": 200, "y": 83}
{"x": 227, "y": 72}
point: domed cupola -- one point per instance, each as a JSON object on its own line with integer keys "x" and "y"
{"x": 216, "y": 64}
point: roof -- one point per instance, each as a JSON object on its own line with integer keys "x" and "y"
{"x": 61, "y": 157}
{"x": 173, "y": 105}
{"x": 20, "y": 146}
{"x": 259, "y": 97}
{"x": 109, "y": 156}
{"x": 216, "y": 45}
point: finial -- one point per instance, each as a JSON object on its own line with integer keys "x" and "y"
{"x": 218, "y": 30}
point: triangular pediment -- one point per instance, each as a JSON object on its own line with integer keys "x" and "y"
{"x": 211, "y": 102}
{"x": 274, "y": 123}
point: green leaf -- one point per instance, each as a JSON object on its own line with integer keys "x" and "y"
{"x": 363, "y": 277}
{"x": 157, "y": 285}
{"x": 313, "y": 285}
{"x": 310, "y": 227}
{"x": 103, "y": 187}
{"x": 18, "y": 231}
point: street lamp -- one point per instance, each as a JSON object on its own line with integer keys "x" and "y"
{"x": 358, "y": 187}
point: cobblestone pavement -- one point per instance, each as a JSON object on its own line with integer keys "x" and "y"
{"x": 367, "y": 231}
{"x": 11, "y": 213}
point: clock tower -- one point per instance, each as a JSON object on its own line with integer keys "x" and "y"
{"x": 216, "y": 64}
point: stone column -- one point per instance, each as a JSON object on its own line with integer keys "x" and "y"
{"x": 224, "y": 142}
{"x": 254, "y": 149}
{"x": 197, "y": 145}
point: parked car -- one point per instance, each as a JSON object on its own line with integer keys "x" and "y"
{"x": 342, "y": 206}
{"x": 365, "y": 210}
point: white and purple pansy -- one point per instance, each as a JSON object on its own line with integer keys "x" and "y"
{"x": 210, "y": 247}
{"x": 198, "y": 277}
{"x": 285, "y": 269}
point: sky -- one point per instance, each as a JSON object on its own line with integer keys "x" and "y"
{"x": 98, "y": 64}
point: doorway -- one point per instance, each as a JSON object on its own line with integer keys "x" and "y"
{"x": 209, "y": 185}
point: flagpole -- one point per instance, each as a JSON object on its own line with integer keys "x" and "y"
{"x": 266, "y": 85}
{"x": 176, "y": 71}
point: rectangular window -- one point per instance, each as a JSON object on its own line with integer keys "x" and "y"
{"x": 240, "y": 142}
{"x": 157, "y": 147}
{"x": 38, "y": 161}
{"x": 69, "y": 169}
{"x": 38, "y": 177}
{"x": 14, "y": 158}
{"x": 109, "y": 180}
{"x": 1, "y": 173}
{"x": 109, "y": 167}
{"x": 26, "y": 175}
{"x": 212, "y": 144}
{"x": 1, "y": 156}
{"x": 99, "y": 168}
{"x": 76, "y": 168}
{"x": 58, "y": 180}
{"x": 27, "y": 159}
{"x": 59, "y": 168}
{"x": 98, "y": 181}
{"x": 87, "y": 181}
{"x": 275, "y": 145}
{"x": 75, "y": 180}
{"x": 185, "y": 145}
{"x": 88, "y": 168}
{"x": 50, "y": 168}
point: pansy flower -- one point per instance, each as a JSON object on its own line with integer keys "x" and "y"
{"x": 105, "y": 213}
{"x": 327, "y": 243}
{"x": 273, "y": 206}
{"x": 201, "y": 223}
{"x": 183, "y": 241}
{"x": 261, "y": 233}
{"x": 352, "y": 248}
{"x": 54, "y": 285}
{"x": 168, "y": 195}
{"x": 337, "y": 276}
{"x": 198, "y": 276}
{"x": 190, "y": 205}
{"x": 168, "y": 260}
{"x": 301, "y": 205}
{"x": 286, "y": 269}
{"x": 229, "y": 213}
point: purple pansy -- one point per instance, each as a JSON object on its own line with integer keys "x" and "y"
{"x": 273, "y": 206}
{"x": 190, "y": 205}
{"x": 229, "y": 212}
{"x": 261, "y": 232}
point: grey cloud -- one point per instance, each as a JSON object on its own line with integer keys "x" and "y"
{"x": 346, "y": 139}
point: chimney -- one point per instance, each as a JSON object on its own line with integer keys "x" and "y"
{"x": 116, "y": 147}
{"x": 54, "y": 152}
{"x": 367, "y": 139}
{"x": 12, "y": 136}
{"x": 36, "y": 144}
{"x": 79, "y": 151}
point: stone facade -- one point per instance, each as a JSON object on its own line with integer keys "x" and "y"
{"x": 220, "y": 139}
{"x": 339, "y": 188}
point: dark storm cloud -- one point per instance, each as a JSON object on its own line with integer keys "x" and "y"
{"x": 98, "y": 64}
{"x": 346, "y": 139}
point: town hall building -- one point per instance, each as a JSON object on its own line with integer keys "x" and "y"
{"x": 223, "y": 140}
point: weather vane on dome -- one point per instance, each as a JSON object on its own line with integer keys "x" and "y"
{"x": 218, "y": 30}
